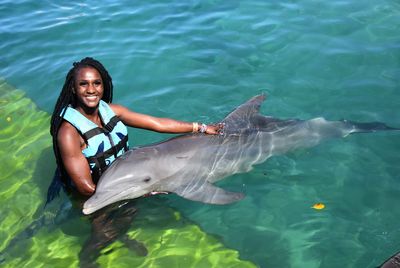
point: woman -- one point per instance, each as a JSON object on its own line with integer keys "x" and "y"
{"x": 89, "y": 132}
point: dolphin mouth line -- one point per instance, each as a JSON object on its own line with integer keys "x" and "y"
{"x": 88, "y": 210}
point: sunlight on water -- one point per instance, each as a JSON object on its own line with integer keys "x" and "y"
{"x": 197, "y": 60}
{"x": 23, "y": 136}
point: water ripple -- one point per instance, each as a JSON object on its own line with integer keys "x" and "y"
{"x": 196, "y": 60}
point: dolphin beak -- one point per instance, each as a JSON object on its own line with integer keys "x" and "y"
{"x": 98, "y": 201}
{"x": 92, "y": 205}
{"x": 88, "y": 210}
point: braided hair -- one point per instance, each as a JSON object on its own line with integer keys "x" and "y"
{"x": 67, "y": 98}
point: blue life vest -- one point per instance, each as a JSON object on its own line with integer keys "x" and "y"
{"x": 104, "y": 144}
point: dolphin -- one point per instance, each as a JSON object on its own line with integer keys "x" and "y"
{"x": 392, "y": 262}
{"x": 188, "y": 165}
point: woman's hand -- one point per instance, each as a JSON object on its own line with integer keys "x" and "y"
{"x": 217, "y": 129}
{"x": 164, "y": 125}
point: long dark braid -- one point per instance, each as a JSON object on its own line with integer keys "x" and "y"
{"x": 67, "y": 98}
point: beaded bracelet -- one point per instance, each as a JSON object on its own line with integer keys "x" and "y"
{"x": 195, "y": 127}
{"x": 203, "y": 128}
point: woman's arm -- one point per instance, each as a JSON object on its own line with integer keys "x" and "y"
{"x": 70, "y": 146}
{"x": 165, "y": 125}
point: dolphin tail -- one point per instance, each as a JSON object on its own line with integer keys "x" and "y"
{"x": 392, "y": 262}
{"x": 368, "y": 127}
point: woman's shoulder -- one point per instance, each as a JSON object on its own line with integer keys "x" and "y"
{"x": 118, "y": 109}
{"x": 69, "y": 138}
{"x": 67, "y": 130}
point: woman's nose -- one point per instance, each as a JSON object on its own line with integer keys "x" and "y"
{"x": 91, "y": 88}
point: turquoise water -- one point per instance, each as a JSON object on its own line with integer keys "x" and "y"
{"x": 197, "y": 60}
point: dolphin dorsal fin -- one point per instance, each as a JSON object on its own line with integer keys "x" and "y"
{"x": 242, "y": 116}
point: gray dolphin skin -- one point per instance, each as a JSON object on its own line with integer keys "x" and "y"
{"x": 392, "y": 262}
{"x": 188, "y": 165}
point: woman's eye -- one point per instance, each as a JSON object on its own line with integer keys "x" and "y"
{"x": 83, "y": 83}
{"x": 97, "y": 83}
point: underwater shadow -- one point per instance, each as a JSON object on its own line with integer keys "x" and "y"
{"x": 107, "y": 225}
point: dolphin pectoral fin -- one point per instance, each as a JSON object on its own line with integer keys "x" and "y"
{"x": 209, "y": 193}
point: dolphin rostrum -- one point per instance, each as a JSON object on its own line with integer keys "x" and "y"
{"x": 188, "y": 165}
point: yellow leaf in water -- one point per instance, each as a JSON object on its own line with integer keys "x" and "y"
{"x": 318, "y": 206}
{"x": 8, "y": 119}
{"x": 177, "y": 215}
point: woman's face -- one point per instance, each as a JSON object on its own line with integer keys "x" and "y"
{"x": 88, "y": 88}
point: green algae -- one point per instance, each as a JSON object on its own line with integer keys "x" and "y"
{"x": 23, "y": 137}
{"x": 172, "y": 241}
{"x": 26, "y": 167}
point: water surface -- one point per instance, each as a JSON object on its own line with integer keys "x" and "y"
{"x": 197, "y": 60}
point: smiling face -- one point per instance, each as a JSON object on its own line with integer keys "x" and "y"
{"x": 88, "y": 89}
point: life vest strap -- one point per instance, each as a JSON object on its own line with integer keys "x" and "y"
{"x": 98, "y": 130}
{"x": 100, "y": 159}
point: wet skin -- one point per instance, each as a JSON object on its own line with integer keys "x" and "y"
{"x": 88, "y": 90}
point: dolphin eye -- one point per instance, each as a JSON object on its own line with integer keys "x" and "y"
{"x": 147, "y": 179}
